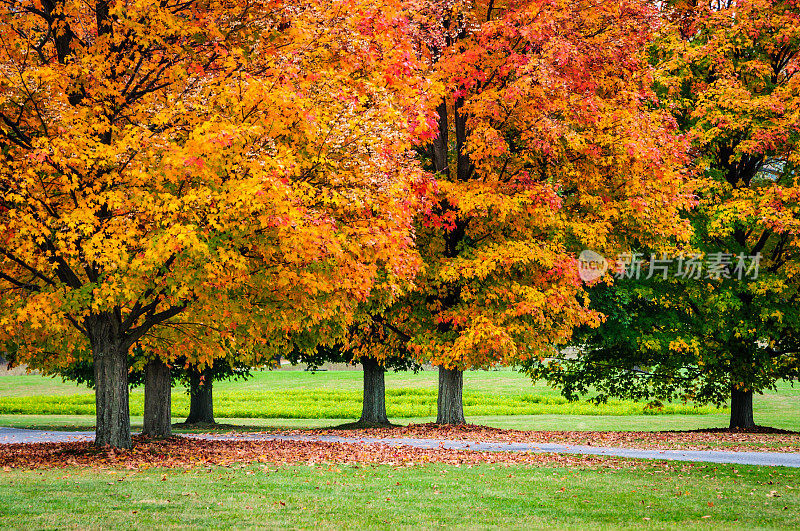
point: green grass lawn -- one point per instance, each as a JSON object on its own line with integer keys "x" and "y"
{"x": 341, "y": 496}
{"x": 501, "y": 398}
{"x": 522, "y": 422}
{"x": 333, "y": 395}
{"x": 353, "y": 497}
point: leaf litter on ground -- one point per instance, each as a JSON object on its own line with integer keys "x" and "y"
{"x": 179, "y": 452}
{"x": 763, "y": 439}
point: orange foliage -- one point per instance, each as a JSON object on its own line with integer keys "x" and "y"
{"x": 549, "y": 143}
{"x": 208, "y": 177}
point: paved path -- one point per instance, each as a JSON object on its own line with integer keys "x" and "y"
{"x": 14, "y": 435}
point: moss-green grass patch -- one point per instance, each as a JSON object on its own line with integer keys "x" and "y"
{"x": 356, "y": 497}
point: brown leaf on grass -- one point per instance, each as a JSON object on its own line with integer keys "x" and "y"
{"x": 190, "y": 453}
{"x": 769, "y": 440}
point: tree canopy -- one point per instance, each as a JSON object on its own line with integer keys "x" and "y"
{"x": 547, "y": 142}
{"x": 727, "y": 71}
{"x": 198, "y": 177}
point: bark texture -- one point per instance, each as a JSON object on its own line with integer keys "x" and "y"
{"x": 157, "y": 400}
{"x": 110, "y": 356}
{"x": 450, "y": 403}
{"x": 373, "y": 411}
{"x": 201, "y": 398}
{"x": 741, "y": 409}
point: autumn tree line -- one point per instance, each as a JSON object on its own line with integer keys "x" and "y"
{"x": 190, "y": 189}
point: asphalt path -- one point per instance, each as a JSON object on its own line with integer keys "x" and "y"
{"x": 19, "y": 436}
{"x": 16, "y": 436}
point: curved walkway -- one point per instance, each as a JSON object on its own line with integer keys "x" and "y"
{"x": 15, "y": 435}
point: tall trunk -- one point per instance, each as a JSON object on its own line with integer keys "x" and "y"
{"x": 450, "y": 404}
{"x": 743, "y": 372}
{"x": 111, "y": 381}
{"x": 440, "y": 143}
{"x": 373, "y": 411}
{"x": 201, "y": 398}
{"x": 741, "y": 409}
{"x": 157, "y": 400}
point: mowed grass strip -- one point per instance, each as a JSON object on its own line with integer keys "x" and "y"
{"x": 338, "y": 403}
{"x": 495, "y": 389}
{"x": 356, "y": 497}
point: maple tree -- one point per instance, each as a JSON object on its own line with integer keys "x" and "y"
{"x": 200, "y": 386}
{"x": 157, "y": 416}
{"x": 547, "y": 143}
{"x": 368, "y": 348}
{"x": 200, "y": 179}
{"x": 158, "y": 377}
{"x": 728, "y": 73}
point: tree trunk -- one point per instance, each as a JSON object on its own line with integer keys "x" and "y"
{"x": 157, "y": 400}
{"x": 111, "y": 381}
{"x": 373, "y": 411}
{"x": 201, "y": 399}
{"x": 450, "y": 404}
{"x": 741, "y": 409}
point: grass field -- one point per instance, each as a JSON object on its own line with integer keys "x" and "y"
{"x": 521, "y": 422}
{"x": 613, "y": 494}
{"x": 297, "y": 398}
{"x": 355, "y": 497}
{"x": 332, "y": 395}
